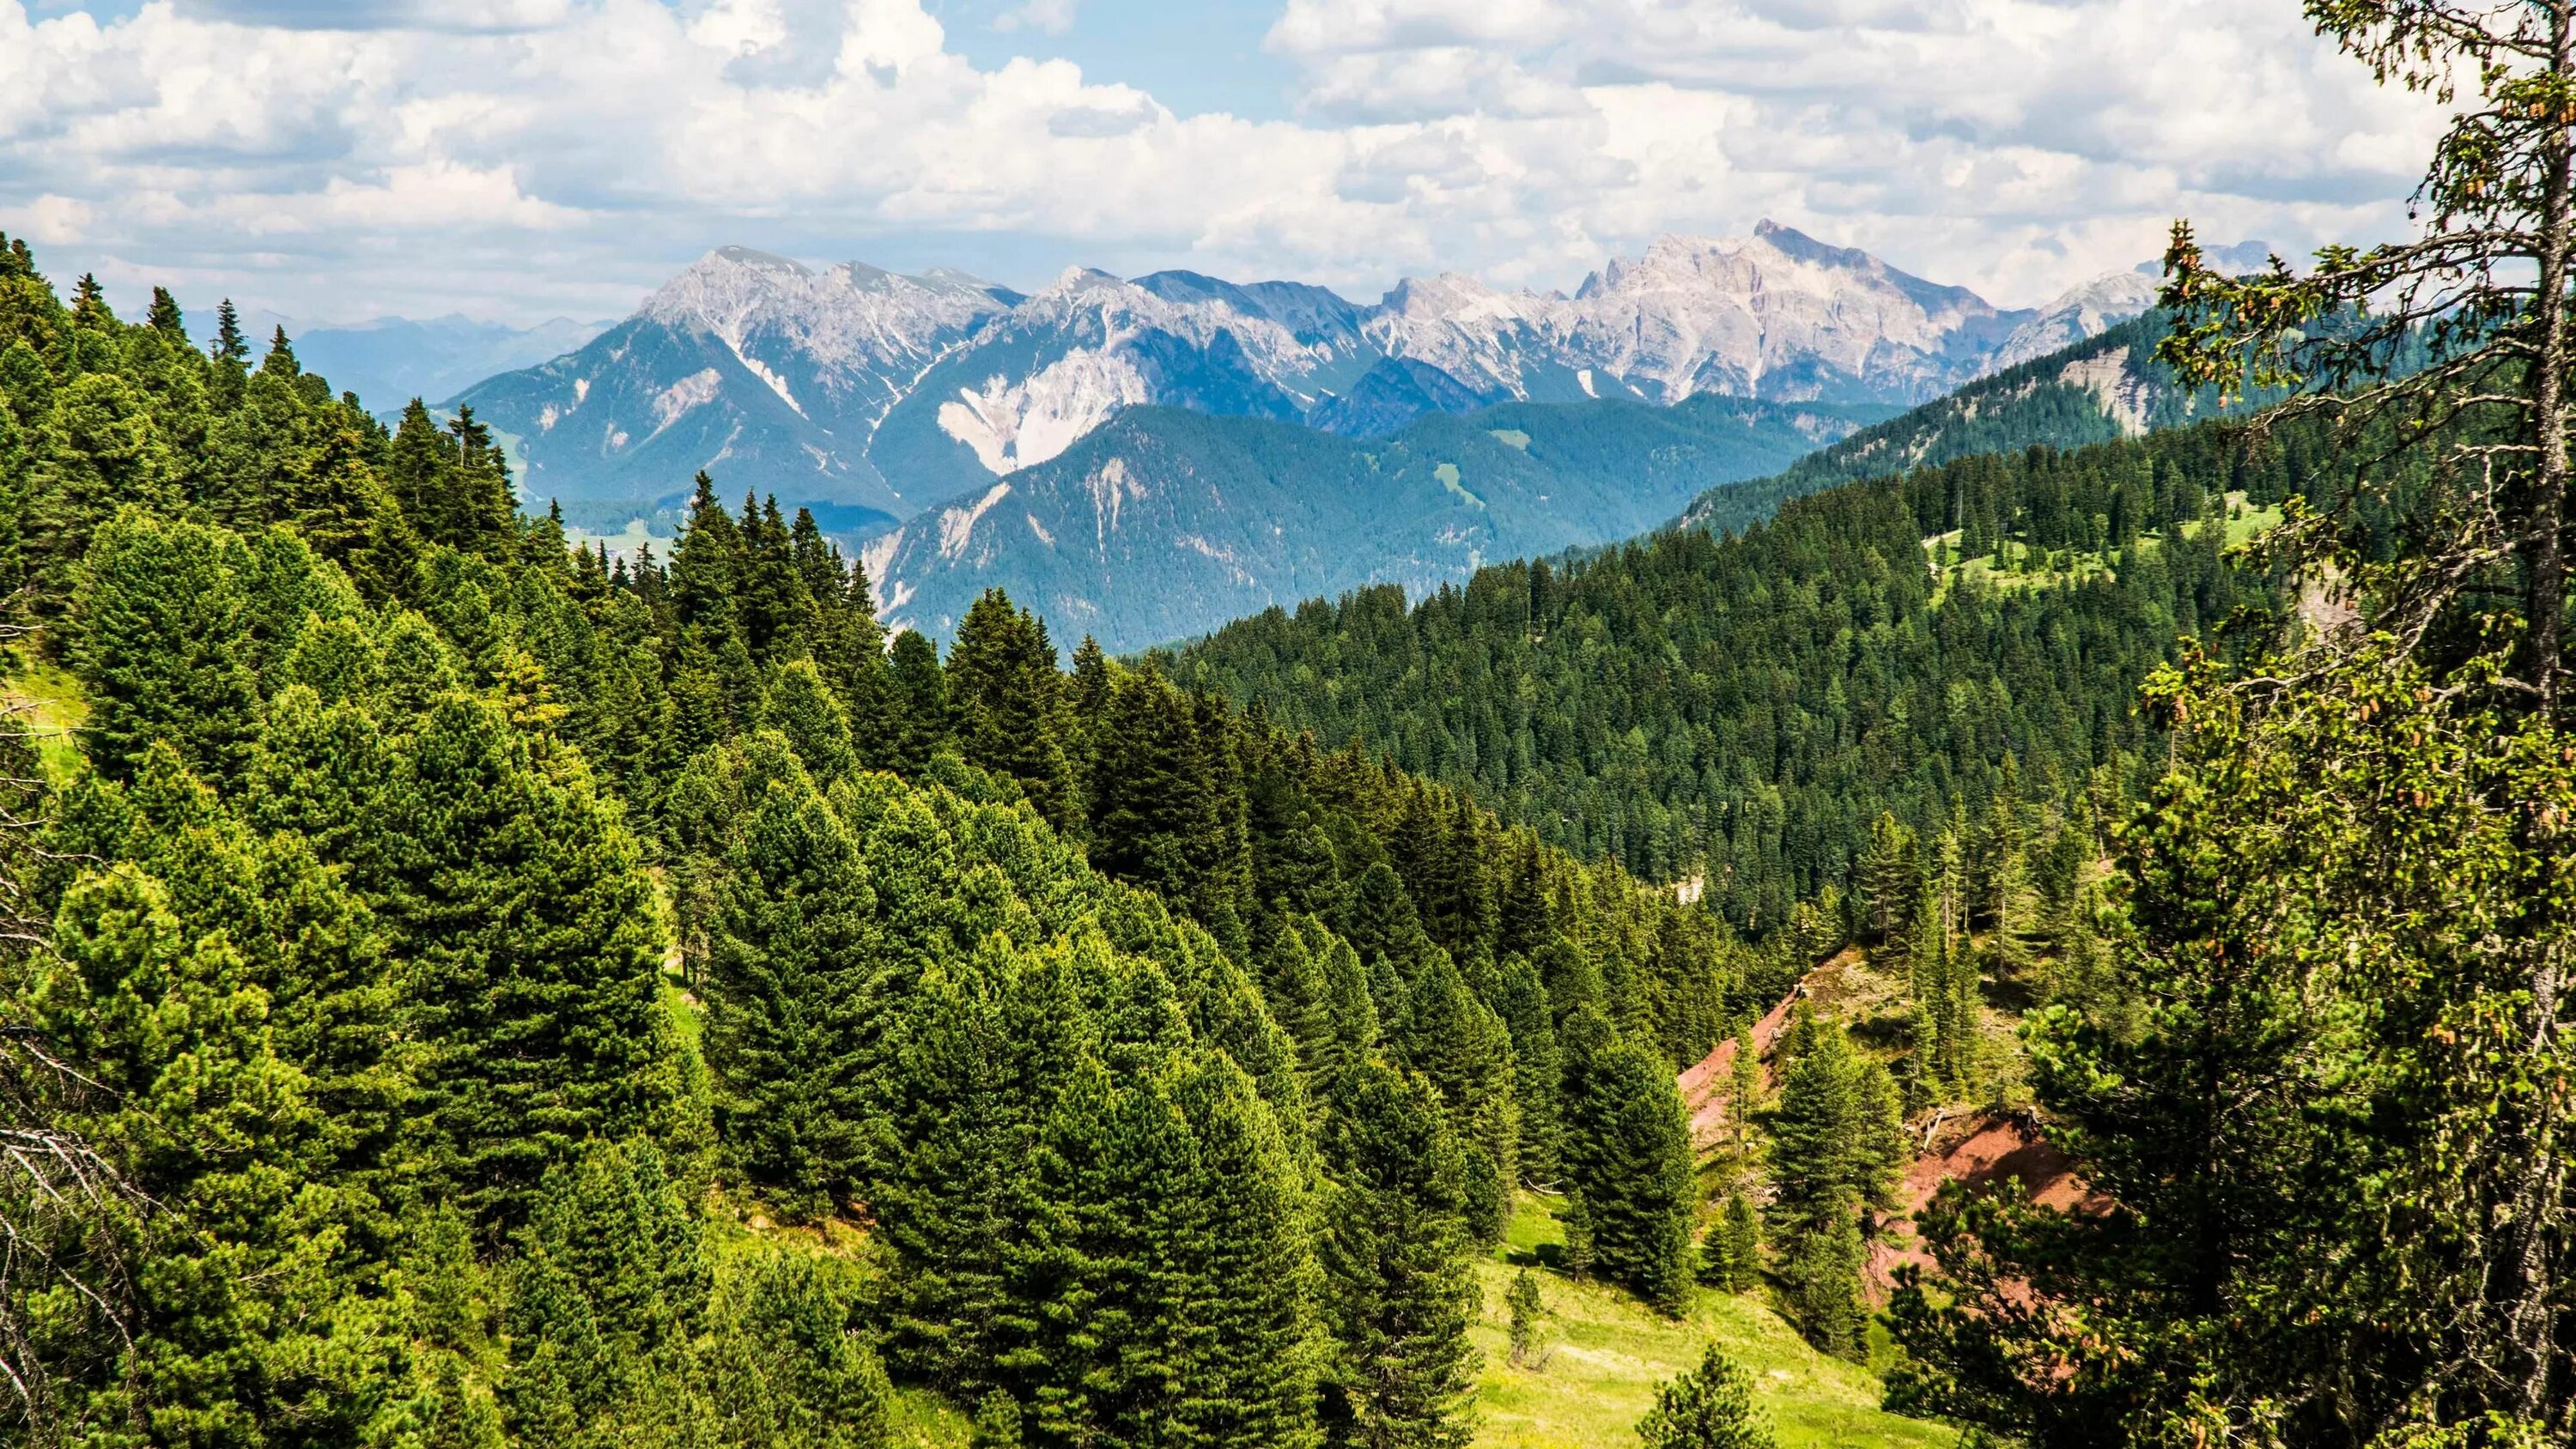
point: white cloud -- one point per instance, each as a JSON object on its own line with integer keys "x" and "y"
{"x": 537, "y": 156}
{"x": 1047, "y": 17}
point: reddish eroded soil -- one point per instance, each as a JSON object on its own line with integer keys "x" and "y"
{"x": 1987, "y": 1151}
{"x": 1983, "y": 1149}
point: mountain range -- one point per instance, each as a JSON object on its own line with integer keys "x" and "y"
{"x": 879, "y": 395}
{"x": 1163, "y": 523}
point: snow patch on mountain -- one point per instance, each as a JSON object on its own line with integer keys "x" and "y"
{"x": 1013, "y": 425}
{"x": 957, "y": 525}
{"x": 694, "y": 391}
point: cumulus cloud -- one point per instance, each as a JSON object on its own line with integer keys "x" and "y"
{"x": 1047, "y": 17}
{"x": 524, "y": 156}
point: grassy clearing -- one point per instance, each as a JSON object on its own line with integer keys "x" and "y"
{"x": 1608, "y": 1353}
{"x": 924, "y": 1420}
{"x": 54, "y": 705}
{"x": 2016, "y": 566}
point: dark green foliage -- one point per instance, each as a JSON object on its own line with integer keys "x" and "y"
{"x": 785, "y": 1369}
{"x": 1007, "y": 701}
{"x": 1462, "y": 1049}
{"x": 1730, "y": 1256}
{"x": 1398, "y": 1290}
{"x": 1748, "y": 708}
{"x": 509, "y": 882}
{"x": 164, "y": 627}
{"x": 606, "y": 1292}
{"x": 2284, "y": 1087}
{"x": 785, "y": 976}
{"x": 236, "y": 1330}
{"x": 1711, "y": 1407}
{"x": 1836, "y": 1146}
{"x": 1528, "y": 1323}
{"x": 356, "y": 909}
{"x": 1629, "y": 1164}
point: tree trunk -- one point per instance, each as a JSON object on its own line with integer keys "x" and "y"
{"x": 2540, "y": 1195}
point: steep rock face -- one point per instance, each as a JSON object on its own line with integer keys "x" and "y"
{"x": 2082, "y": 313}
{"x": 1067, "y": 359}
{"x": 1777, "y": 315}
{"x": 746, "y": 363}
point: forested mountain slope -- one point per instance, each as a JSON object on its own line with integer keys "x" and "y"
{"x": 1746, "y": 707}
{"x": 1165, "y": 523}
{"x": 2095, "y": 391}
{"x": 336, "y": 979}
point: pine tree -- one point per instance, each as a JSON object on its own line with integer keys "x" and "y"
{"x": 1538, "y": 1072}
{"x": 523, "y": 901}
{"x": 785, "y": 1369}
{"x": 1711, "y": 1407}
{"x": 1460, "y": 1047}
{"x": 787, "y": 958}
{"x": 1007, "y": 701}
{"x": 919, "y": 703}
{"x": 229, "y": 345}
{"x": 165, "y": 645}
{"x": 803, "y": 707}
{"x": 1630, "y": 1166}
{"x": 1399, "y": 1291}
{"x": 1528, "y": 1322}
{"x": 1836, "y": 1144}
{"x": 1731, "y": 1255}
{"x": 608, "y": 1289}
{"x": 232, "y": 1333}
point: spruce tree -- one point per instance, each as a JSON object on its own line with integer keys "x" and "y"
{"x": 165, "y": 646}
{"x": 1458, "y": 1045}
{"x": 1399, "y": 1293}
{"x": 787, "y": 959}
{"x": 229, "y": 344}
{"x": 1528, "y": 1322}
{"x": 521, "y": 898}
{"x": 99, "y": 451}
{"x": 1836, "y": 1145}
{"x": 606, "y": 1294}
{"x": 1731, "y": 1254}
{"x": 803, "y": 707}
{"x": 1711, "y": 1407}
{"x": 918, "y": 704}
{"x": 785, "y": 1368}
{"x": 1630, "y": 1166}
{"x": 1538, "y": 1072}
{"x": 1006, "y": 699}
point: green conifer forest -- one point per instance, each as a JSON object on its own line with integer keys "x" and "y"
{"x": 2067, "y": 944}
{"x": 437, "y": 943}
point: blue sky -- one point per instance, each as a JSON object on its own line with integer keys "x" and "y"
{"x": 512, "y": 159}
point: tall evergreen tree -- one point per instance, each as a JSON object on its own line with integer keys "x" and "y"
{"x": 1399, "y": 1292}
{"x": 1629, "y": 1164}
{"x": 522, "y": 899}
{"x": 788, "y": 956}
{"x": 1008, "y": 704}
{"x": 1836, "y": 1144}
